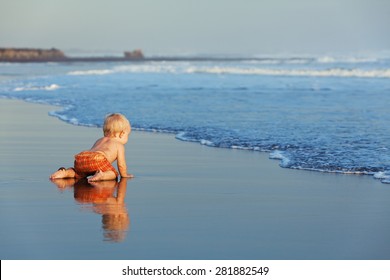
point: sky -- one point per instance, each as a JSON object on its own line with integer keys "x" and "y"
{"x": 198, "y": 26}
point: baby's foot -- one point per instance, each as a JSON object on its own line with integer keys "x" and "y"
{"x": 99, "y": 176}
{"x": 102, "y": 176}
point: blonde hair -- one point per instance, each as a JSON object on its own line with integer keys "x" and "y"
{"x": 115, "y": 123}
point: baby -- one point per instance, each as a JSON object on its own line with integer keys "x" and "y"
{"x": 98, "y": 160}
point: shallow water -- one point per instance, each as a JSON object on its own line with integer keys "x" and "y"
{"x": 178, "y": 220}
{"x": 169, "y": 218}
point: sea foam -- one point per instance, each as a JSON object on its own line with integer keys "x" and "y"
{"x": 32, "y": 87}
{"x": 333, "y": 72}
{"x": 138, "y": 68}
{"x": 227, "y": 70}
{"x": 383, "y": 176}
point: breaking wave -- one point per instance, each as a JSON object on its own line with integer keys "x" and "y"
{"x": 334, "y": 72}
{"x": 188, "y": 68}
{"x": 32, "y": 87}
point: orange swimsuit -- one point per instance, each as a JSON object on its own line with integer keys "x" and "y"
{"x": 88, "y": 163}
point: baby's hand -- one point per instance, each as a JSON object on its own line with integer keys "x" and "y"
{"x": 128, "y": 176}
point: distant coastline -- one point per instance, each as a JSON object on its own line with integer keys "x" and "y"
{"x": 30, "y": 55}
{"x": 56, "y": 55}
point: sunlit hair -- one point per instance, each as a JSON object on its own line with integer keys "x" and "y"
{"x": 115, "y": 123}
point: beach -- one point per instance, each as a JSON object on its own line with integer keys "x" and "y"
{"x": 187, "y": 201}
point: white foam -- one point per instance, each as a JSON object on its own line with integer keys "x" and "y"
{"x": 181, "y": 136}
{"x": 206, "y": 142}
{"x": 383, "y": 176}
{"x": 334, "y": 72}
{"x": 241, "y": 147}
{"x": 254, "y": 67}
{"x": 345, "y": 59}
{"x": 31, "y": 87}
{"x": 51, "y": 87}
{"x": 91, "y": 72}
{"x": 137, "y": 68}
{"x": 278, "y": 61}
{"x": 276, "y": 154}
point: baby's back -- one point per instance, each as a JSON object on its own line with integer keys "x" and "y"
{"x": 107, "y": 146}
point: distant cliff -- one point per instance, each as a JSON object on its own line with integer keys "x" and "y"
{"x": 47, "y": 55}
{"x": 20, "y": 55}
{"x": 136, "y": 54}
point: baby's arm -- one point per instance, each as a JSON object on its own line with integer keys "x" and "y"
{"x": 121, "y": 161}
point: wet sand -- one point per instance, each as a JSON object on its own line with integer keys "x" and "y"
{"x": 187, "y": 201}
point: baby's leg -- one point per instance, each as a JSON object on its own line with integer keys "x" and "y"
{"x": 102, "y": 176}
{"x": 63, "y": 173}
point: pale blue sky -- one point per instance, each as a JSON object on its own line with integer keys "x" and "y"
{"x": 198, "y": 26}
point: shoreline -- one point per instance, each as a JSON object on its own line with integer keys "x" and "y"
{"x": 267, "y": 153}
{"x": 31, "y": 55}
{"x": 187, "y": 201}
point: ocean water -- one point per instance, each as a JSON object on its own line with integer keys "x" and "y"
{"x": 327, "y": 114}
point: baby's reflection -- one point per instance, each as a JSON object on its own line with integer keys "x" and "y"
{"x": 107, "y": 199}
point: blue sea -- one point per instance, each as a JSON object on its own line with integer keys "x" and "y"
{"x": 319, "y": 113}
